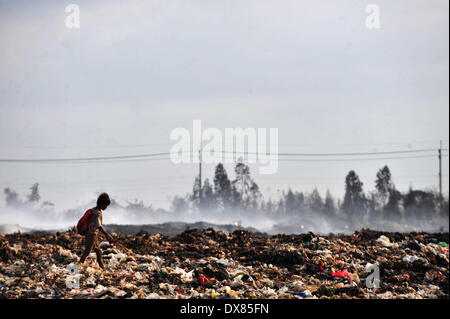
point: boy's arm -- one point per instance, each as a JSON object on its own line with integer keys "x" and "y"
{"x": 108, "y": 236}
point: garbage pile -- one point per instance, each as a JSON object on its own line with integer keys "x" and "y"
{"x": 213, "y": 264}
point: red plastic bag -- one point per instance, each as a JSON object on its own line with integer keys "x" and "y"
{"x": 343, "y": 273}
{"x": 204, "y": 280}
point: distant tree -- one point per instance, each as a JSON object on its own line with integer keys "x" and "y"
{"x": 136, "y": 205}
{"x": 280, "y": 208}
{"x": 290, "y": 204}
{"x": 374, "y": 207}
{"x": 300, "y": 202}
{"x": 208, "y": 202}
{"x": 383, "y": 183}
{"x": 444, "y": 208}
{"x": 244, "y": 190}
{"x": 255, "y": 197}
{"x": 222, "y": 187}
{"x": 114, "y": 202}
{"x": 179, "y": 205}
{"x": 236, "y": 198}
{"x": 269, "y": 207}
{"x": 392, "y": 210}
{"x": 242, "y": 181}
{"x": 354, "y": 199}
{"x": 194, "y": 197}
{"x": 419, "y": 205}
{"x": 48, "y": 203}
{"x": 329, "y": 207}
{"x": 315, "y": 201}
{"x": 12, "y": 198}
{"x": 34, "y": 196}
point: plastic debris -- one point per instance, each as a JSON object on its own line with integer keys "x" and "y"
{"x": 383, "y": 240}
{"x": 410, "y": 259}
{"x": 343, "y": 273}
{"x": 231, "y": 292}
{"x": 204, "y": 280}
{"x": 304, "y": 294}
{"x": 283, "y": 289}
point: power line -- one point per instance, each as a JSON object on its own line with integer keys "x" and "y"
{"x": 148, "y": 156}
{"x": 401, "y": 182}
{"x": 344, "y": 154}
{"x": 364, "y": 144}
{"x": 81, "y": 146}
{"x": 354, "y": 159}
{"x": 166, "y": 144}
{"x": 86, "y": 159}
{"x": 351, "y": 159}
{"x": 280, "y": 160}
{"x": 312, "y": 178}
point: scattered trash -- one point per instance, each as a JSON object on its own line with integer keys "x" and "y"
{"x": 355, "y": 278}
{"x": 343, "y": 273}
{"x": 231, "y": 293}
{"x": 410, "y": 259}
{"x": 204, "y": 280}
{"x": 283, "y": 289}
{"x": 304, "y": 294}
{"x": 383, "y": 240}
{"x": 213, "y": 264}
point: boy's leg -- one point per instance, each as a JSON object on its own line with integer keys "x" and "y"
{"x": 98, "y": 252}
{"x": 88, "y": 244}
{"x": 99, "y": 258}
{"x": 84, "y": 256}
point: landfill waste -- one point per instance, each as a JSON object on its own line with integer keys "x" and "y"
{"x": 383, "y": 240}
{"x": 218, "y": 265}
{"x": 410, "y": 259}
{"x": 341, "y": 274}
{"x": 304, "y": 294}
{"x": 204, "y": 280}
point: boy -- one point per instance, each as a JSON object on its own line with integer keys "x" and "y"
{"x": 95, "y": 224}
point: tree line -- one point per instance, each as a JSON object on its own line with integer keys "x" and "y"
{"x": 242, "y": 195}
{"x": 384, "y": 203}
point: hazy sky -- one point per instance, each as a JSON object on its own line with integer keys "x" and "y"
{"x": 135, "y": 70}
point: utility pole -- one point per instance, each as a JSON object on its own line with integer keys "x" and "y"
{"x": 440, "y": 170}
{"x": 200, "y": 178}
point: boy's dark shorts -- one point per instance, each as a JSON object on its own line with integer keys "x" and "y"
{"x": 91, "y": 242}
